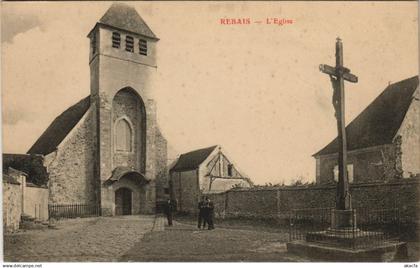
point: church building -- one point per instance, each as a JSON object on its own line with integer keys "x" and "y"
{"x": 382, "y": 141}
{"x": 107, "y": 149}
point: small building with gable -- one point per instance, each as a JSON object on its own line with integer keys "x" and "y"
{"x": 203, "y": 171}
{"x": 383, "y": 141}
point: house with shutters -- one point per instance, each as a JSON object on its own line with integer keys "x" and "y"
{"x": 107, "y": 150}
{"x": 383, "y": 141}
{"x": 203, "y": 171}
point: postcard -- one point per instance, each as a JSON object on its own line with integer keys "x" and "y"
{"x": 210, "y": 132}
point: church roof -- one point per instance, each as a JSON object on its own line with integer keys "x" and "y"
{"x": 125, "y": 17}
{"x": 60, "y": 128}
{"x": 193, "y": 159}
{"x": 379, "y": 122}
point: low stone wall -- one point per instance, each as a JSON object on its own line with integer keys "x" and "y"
{"x": 36, "y": 202}
{"x": 20, "y": 197}
{"x": 12, "y": 206}
{"x": 277, "y": 202}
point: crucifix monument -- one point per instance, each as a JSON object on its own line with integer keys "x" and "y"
{"x": 343, "y": 214}
{"x": 342, "y": 240}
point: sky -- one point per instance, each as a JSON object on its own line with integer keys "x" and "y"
{"x": 253, "y": 89}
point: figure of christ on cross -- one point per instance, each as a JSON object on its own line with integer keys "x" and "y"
{"x": 337, "y": 75}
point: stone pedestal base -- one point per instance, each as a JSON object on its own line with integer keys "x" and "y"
{"x": 345, "y": 238}
{"x": 343, "y": 241}
{"x": 388, "y": 251}
{"x": 343, "y": 218}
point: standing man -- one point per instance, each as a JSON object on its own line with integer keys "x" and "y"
{"x": 201, "y": 213}
{"x": 210, "y": 212}
{"x": 168, "y": 211}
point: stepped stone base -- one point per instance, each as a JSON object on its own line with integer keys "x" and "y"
{"x": 387, "y": 251}
{"x": 345, "y": 238}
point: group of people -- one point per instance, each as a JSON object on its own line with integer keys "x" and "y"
{"x": 205, "y": 215}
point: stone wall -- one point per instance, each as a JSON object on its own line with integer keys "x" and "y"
{"x": 36, "y": 202}
{"x": 378, "y": 163}
{"x": 410, "y": 135}
{"x": 239, "y": 204}
{"x": 185, "y": 190}
{"x": 127, "y": 106}
{"x": 70, "y": 168}
{"x": 161, "y": 166}
{"x": 277, "y": 202}
{"x": 12, "y": 206}
{"x": 113, "y": 69}
{"x": 138, "y": 200}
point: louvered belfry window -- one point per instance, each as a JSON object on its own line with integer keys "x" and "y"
{"x": 129, "y": 43}
{"x": 116, "y": 40}
{"x": 143, "y": 47}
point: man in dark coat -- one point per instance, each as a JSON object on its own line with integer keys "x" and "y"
{"x": 209, "y": 213}
{"x": 201, "y": 213}
{"x": 169, "y": 206}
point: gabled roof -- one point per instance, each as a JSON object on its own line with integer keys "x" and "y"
{"x": 60, "y": 128}
{"x": 193, "y": 159}
{"x": 379, "y": 122}
{"x": 125, "y": 17}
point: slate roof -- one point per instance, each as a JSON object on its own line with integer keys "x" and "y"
{"x": 60, "y": 128}
{"x": 125, "y": 17}
{"x": 193, "y": 159}
{"x": 379, "y": 122}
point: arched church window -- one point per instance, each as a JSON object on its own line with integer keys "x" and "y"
{"x": 123, "y": 136}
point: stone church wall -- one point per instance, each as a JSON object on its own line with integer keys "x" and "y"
{"x": 161, "y": 167}
{"x": 127, "y": 105}
{"x": 70, "y": 168}
{"x": 410, "y": 135}
{"x": 138, "y": 197}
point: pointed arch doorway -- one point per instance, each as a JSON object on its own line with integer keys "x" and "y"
{"x": 123, "y": 201}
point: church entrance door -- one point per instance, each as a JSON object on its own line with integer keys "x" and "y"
{"x": 123, "y": 201}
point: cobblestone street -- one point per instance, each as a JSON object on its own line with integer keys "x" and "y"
{"x": 140, "y": 239}
{"x": 87, "y": 239}
{"x": 149, "y": 239}
{"x": 184, "y": 242}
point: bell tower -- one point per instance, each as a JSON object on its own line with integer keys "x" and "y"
{"x": 122, "y": 62}
{"x": 122, "y": 51}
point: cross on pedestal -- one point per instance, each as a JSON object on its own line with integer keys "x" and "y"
{"x": 338, "y": 74}
{"x": 343, "y": 241}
